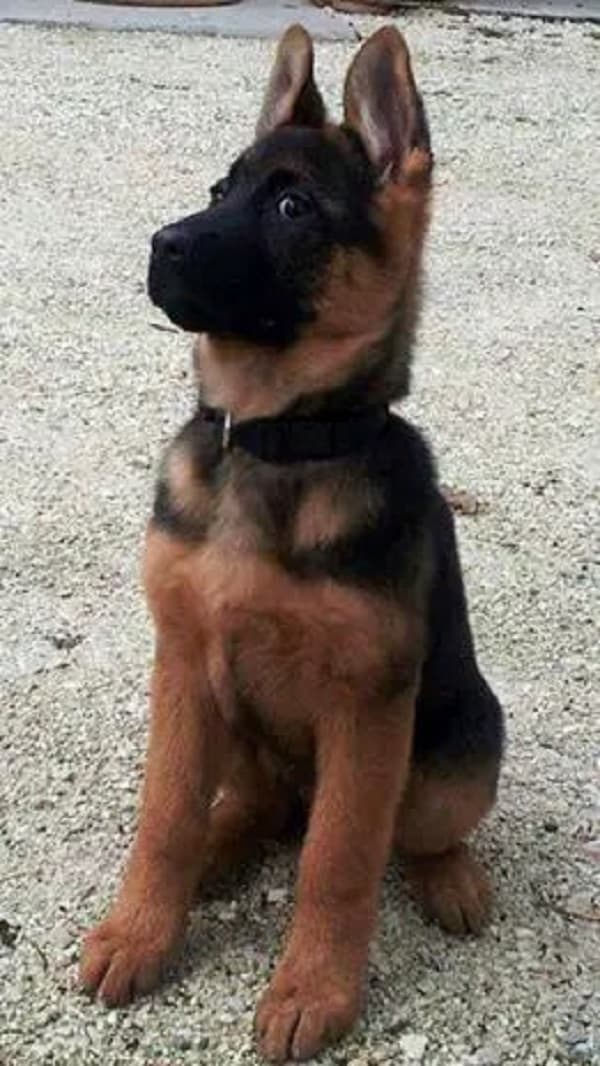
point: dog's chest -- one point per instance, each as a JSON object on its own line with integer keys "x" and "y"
{"x": 278, "y": 646}
{"x": 282, "y": 646}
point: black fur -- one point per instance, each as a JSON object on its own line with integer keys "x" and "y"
{"x": 243, "y": 267}
{"x": 408, "y": 552}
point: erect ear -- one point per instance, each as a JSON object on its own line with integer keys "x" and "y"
{"x": 291, "y": 97}
{"x": 383, "y": 106}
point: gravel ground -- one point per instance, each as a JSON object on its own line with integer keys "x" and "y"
{"x": 102, "y": 139}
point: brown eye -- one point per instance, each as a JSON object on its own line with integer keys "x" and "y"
{"x": 218, "y": 192}
{"x": 293, "y": 205}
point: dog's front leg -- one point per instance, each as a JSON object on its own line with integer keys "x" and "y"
{"x": 362, "y": 762}
{"x": 126, "y": 952}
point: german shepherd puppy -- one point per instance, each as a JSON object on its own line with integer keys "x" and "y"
{"x": 312, "y": 640}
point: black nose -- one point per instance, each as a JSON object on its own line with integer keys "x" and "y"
{"x": 169, "y": 243}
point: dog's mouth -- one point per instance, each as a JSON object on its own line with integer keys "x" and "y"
{"x": 195, "y": 277}
{"x": 218, "y": 312}
{"x": 183, "y": 314}
{"x": 169, "y": 294}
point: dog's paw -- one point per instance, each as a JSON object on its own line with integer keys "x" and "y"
{"x": 302, "y": 1012}
{"x": 454, "y": 890}
{"x": 122, "y": 958}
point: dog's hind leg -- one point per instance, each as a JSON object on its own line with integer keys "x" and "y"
{"x": 252, "y": 805}
{"x": 457, "y": 749}
{"x": 437, "y": 812}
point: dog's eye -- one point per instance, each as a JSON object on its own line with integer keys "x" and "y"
{"x": 293, "y": 204}
{"x": 218, "y": 192}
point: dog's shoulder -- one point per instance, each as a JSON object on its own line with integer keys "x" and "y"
{"x": 370, "y": 522}
{"x": 404, "y": 463}
{"x": 186, "y": 485}
{"x": 365, "y": 520}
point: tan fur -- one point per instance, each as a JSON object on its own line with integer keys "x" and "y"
{"x": 321, "y": 519}
{"x": 288, "y": 636}
{"x": 453, "y": 888}
{"x": 189, "y": 495}
{"x": 252, "y": 383}
{"x": 253, "y": 802}
{"x": 343, "y": 858}
{"x": 127, "y": 951}
{"x": 437, "y": 814}
{"x": 332, "y": 509}
{"x": 296, "y": 646}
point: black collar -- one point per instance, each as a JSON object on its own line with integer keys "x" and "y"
{"x": 296, "y": 439}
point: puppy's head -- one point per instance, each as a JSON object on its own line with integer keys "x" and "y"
{"x": 313, "y": 239}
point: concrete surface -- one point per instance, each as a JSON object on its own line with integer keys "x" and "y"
{"x": 265, "y": 18}
{"x": 574, "y": 10}
{"x": 103, "y": 138}
{"x": 252, "y": 18}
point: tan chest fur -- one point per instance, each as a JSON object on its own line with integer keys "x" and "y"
{"x": 284, "y": 646}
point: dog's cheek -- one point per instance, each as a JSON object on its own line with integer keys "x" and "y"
{"x": 300, "y": 257}
{"x": 356, "y": 293}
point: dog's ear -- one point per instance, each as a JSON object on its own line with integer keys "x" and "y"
{"x": 292, "y": 98}
{"x": 383, "y": 106}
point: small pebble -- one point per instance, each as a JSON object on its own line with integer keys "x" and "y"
{"x": 413, "y": 1046}
{"x": 228, "y": 913}
{"x": 398, "y": 1024}
{"x": 582, "y": 1052}
{"x": 62, "y": 938}
{"x": 487, "y": 1056}
{"x": 277, "y": 895}
{"x": 551, "y": 825}
{"x": 523, "y": 933}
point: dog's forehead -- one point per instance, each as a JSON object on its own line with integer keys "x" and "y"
{"x": 323, "y": 155}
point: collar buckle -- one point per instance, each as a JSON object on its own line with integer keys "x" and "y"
{"x": 226, "y": 435}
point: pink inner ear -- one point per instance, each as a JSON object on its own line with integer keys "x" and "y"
{"x": 292, "y": 98}
{"x": 375, "y": 134}
{"x": 382, "y": 104}
{"x": 283, "y": 108}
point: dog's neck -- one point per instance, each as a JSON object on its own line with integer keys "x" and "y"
{"x": 316, "y": 375}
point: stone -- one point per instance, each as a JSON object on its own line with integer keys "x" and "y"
{"x": 487, "y": 1056}
{"x": 413, "y": 1046}
{"x": 277, "y": 895}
